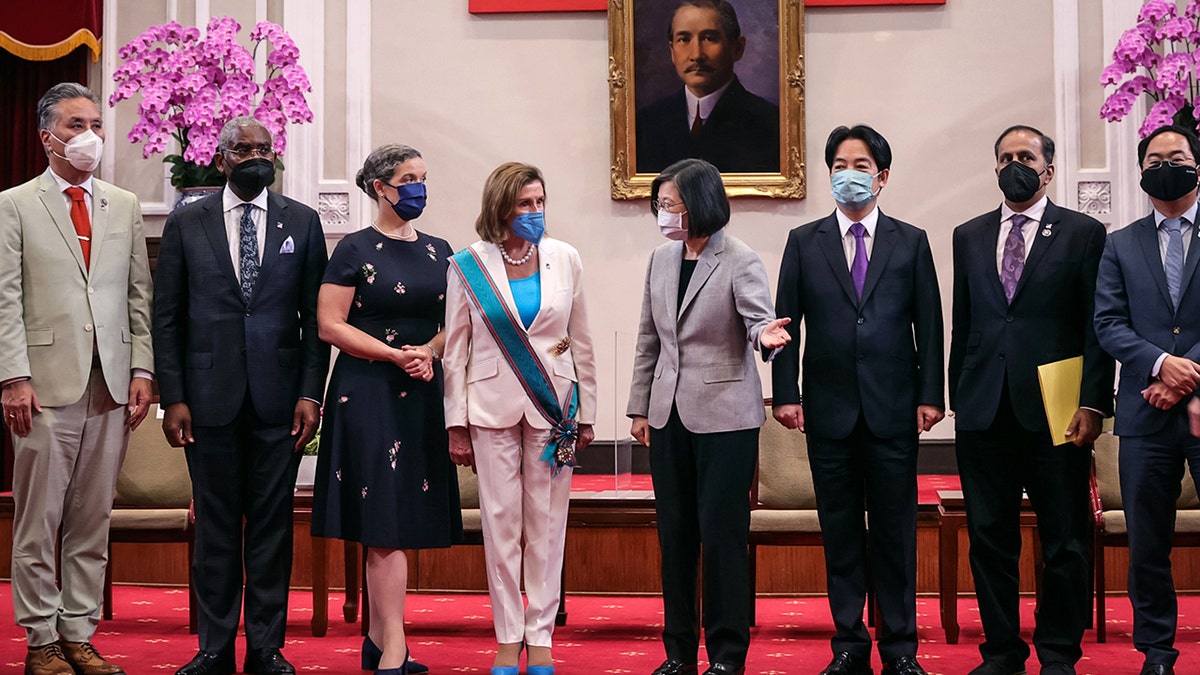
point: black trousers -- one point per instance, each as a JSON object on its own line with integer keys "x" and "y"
{"x": 1151, "y": 470}
{"x": 243, "y": 473}
{"x": 878, "y": 475}
{"x": 702, "y": 500}
{"x": 996, "y": 465}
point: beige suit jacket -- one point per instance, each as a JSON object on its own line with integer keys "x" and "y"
{"x": 53, "y": 309}
{"x": 481, "y": 388}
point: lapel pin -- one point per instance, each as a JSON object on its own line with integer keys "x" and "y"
{"x": 103, "y": 203}
{"x": 279, "y": 226}
{"x": 1046, "y": 230}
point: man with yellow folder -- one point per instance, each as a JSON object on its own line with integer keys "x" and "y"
{"x": 1024, "y": 281}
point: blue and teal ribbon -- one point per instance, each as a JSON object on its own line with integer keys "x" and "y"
{"x": 514, "y": 345}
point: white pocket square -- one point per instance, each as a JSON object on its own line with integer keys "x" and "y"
{"x": 289, "y": 246}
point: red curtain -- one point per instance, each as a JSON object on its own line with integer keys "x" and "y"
{"x": 36, "y": 54}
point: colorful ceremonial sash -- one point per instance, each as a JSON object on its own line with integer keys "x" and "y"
{"x": 518, "y": 352}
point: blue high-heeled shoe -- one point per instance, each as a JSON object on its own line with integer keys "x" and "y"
{"x": 539, "y": 670}
{"x": 371, "y": 654}
{"x": 509, "y": 670}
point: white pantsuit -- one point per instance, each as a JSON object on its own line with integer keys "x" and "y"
{"x": 520, "y": 497}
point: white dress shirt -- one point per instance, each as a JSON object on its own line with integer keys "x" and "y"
{"x": 706, "y": 103}
{"x": 1028, "y": 230}
{"x": 231, "y": 204}
{"x": 848, "y": 242}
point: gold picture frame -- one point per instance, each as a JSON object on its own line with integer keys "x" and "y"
{"x": 628, "y": 50}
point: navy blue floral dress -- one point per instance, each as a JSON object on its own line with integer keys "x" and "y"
{"x": 384, "y": 475}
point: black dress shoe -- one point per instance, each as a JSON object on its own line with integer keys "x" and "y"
{"x": 845, "y": 663}
{"x": 209, "y": 663}
{"x": 673, "y": 667}
{"x": 267, "y": 661}
{"x": 904, "y": 665}
{"x": 724, "y": 669}
{"x": 1157, "y": 669}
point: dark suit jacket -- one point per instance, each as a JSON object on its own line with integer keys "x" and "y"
{"x": 1136, "y": 322}
{"x": 741, "y": 135}
{"x": 881, "y": 355}
{"x": 1050, "y": 319}
{"x": 210, "y": 346}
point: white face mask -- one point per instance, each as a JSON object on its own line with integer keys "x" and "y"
{"x": 671, "y": 225}
{"x": 82, "y": 151}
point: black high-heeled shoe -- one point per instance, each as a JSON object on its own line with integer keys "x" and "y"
{"x": 371, "y": 653}
{"x": 402, "y": 670}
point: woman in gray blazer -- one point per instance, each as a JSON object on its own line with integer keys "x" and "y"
{"x": 696, "y": 402}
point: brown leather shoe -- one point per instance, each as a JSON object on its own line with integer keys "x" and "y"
{"x": 87, "y": 661}
{"x": 47, "y": 660}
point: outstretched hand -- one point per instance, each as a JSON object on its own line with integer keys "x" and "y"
{"x": 775, "y": 335}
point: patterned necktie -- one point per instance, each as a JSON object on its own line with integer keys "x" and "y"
{"x": 1013, "y": 261}
{"x": 82, "y": 222}
{"x": 1173, "y": 265}
{"x": 698, "y": 123}
{"x": 858, "y": 268}
{"x": 249, "y": 252}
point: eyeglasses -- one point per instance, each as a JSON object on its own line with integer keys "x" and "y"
{"x": 1175, "y": 163}
{"x": 248, "y": 151}
{"x": 660, "y": 205}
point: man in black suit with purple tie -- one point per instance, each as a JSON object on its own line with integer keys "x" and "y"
{"x": 865, "y": 286}
{"x": 240, "y": 372}
{"x": 1024, "y": 286}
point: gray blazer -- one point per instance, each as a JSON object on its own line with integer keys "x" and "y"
{"x": 701, "y": 358}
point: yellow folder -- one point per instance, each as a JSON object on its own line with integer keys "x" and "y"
{"x": 1060, "y": 394}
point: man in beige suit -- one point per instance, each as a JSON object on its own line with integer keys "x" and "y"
{"x": 75, "y": 368}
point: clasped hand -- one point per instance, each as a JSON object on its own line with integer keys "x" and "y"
{"x": 416, "y": 361}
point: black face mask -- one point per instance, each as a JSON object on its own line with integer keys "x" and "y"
{"x": 1019, "y": 183}
{"x": 253, "y": 175}
{"x": 1167, "y": 182}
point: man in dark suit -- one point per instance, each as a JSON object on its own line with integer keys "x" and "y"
{"x": 1024, "y": 289}
{"x": 240, "y": 373}
{"x": 1148, "y": 317}
{"x": 866, "y": 288}
{"x": 713, "y": 117}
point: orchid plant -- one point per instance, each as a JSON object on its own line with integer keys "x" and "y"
{"x": 192, "y": 85}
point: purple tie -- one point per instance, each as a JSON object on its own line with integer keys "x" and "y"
{"x": 1013, "y": 260}
{"x": 858, "y": 268}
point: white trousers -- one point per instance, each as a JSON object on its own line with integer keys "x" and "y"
{"x": 64, "y": 475}
{"x": 520, "y": 496}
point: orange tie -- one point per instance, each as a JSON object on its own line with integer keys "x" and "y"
{"x": 83, "y": 223}
{"x": 698, "y": 123}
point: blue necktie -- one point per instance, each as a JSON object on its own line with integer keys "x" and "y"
{"x": 249, "y": 252}
{"x": 1173, "y": 265}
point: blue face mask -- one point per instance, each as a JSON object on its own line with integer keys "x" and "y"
{"x": 530, "y": 226}
{"x": 853, "y": 189}
{"x": 411, "y": 202}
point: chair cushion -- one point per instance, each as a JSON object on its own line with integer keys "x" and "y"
{"x": 468, "y": 490}
{"x": 154, "y": 475}
{"x": 149, "y": 519}
{"x": 784, "y": 477}
{"x": 1108, "y": 477}
{"x": 1187, "y": 521}
{"x": 784, "y": 520}
{"x": 472, "y": 520}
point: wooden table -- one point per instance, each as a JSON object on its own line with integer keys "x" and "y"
{"x": 953, "y": 513}
{"x": 320, "y": 568}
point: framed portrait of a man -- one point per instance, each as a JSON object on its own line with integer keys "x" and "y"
{"x": 722, "y": 80}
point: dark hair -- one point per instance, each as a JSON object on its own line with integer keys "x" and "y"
{"x": 47, "y": 107}
{"x": 700, "y": 187}
{"x": 877, "y": 145}
{"x": 1047, "y": 142}
{"x": 381, "y": 164}
{"x": 1193, "y": 142}
{"x": 728, "y": 17}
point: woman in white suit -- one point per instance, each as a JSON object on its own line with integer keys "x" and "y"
{"x": 696, "y": 401}
{"x": 520, "y": 397}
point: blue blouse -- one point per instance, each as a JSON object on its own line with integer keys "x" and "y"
{"x": 527, "y": 293}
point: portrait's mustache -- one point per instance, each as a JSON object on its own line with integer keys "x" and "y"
{"x": 699, "y": 68}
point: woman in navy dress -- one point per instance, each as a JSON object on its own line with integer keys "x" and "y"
{"x": 384, "y": 476}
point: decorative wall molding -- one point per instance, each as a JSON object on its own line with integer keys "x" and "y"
{"x": 1095, "y": 197}
{"x": 334, "y": 209}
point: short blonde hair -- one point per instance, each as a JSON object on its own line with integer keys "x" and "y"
{"x": 500, "y": 194}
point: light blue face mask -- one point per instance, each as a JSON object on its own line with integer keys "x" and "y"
{"x": 530, "y": 226}
{"x": 853, "y": 189}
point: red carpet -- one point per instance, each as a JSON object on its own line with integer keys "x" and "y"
{"x": 453, "y": 634}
